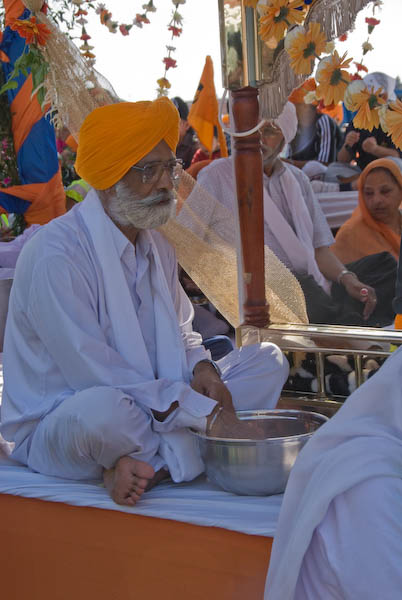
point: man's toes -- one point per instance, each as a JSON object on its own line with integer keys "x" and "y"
{"x": 140, "y": 484}
{"x": 143, "y": 470}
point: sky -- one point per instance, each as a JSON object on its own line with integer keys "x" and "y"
{"x": 133, "y": 63}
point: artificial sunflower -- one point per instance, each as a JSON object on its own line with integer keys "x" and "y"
{"x": 277, "y": 16}
{"x": 33, "y": 32}
{"x": 332, "y": 78}
{"x": 366, "y": 101}
{"x": 304, "y": 47}
{"x": 393, "y": 120}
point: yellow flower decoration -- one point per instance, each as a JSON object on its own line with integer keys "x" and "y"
{"x": 332, "y": 78}
{"x": 163, "y": 83}
{"x": 366, "y": 101}
{"x": 304, "y": 47}
{"x": 278, "y": 16}
{"x": 393, "y": 122}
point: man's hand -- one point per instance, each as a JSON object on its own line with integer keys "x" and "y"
{"x": 206, "y": 381}
{"x": 370, "y": 145}
{"x": 352, "y": 138}
{"x": 362, "y": 292}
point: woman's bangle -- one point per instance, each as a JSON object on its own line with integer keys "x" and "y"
{"x": 343, "y": 273}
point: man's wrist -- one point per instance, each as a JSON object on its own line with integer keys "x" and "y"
{"x": 207, "y": 361}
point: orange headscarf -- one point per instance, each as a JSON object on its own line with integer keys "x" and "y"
{"x": 298, "y": 94}
{"x": 362, "y": 235}
{"x": 113, "y": 138}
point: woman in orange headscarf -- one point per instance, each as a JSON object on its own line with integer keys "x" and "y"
{"x": 376, "y": 224}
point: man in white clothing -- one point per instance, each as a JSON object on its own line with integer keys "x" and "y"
{"x": 295, "y": 228}
{"x": 103, "y": 373}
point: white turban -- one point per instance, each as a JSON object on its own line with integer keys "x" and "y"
{"x": 287, "y": 122}
{"x": 378, "y": 79}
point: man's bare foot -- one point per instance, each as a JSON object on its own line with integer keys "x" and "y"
{"x": 157, "y": 478}
{"x": 227, "y": 425}
{"x": 128, "y": 480}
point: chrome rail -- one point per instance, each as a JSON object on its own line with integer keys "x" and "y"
{"x": 324, "y": 340}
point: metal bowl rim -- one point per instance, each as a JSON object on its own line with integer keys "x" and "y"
{"x": 281, "y": 411}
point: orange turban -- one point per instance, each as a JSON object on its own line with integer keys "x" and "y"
{"x": 113, "y": 138}
{"x": 297, "y": 96}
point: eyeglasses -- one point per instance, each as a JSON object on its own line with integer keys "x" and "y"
{"x": 152, "y": 172}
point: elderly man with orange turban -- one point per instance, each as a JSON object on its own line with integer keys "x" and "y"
{"x": 103, "y": 373}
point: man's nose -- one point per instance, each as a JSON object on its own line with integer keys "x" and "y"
{"x": 165, "y": 180}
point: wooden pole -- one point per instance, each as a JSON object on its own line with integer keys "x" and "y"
{"x": 249, "y": 187}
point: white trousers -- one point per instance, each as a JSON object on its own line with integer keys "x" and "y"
{"x": 92, "y": 429}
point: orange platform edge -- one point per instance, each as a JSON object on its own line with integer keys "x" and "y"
{"x": 54, "y": 551}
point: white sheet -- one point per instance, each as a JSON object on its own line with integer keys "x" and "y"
{"x": 337, "y": 206}
{"x": 198, "y": 502}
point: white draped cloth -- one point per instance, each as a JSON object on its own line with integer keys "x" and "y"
{"x": 339, "y": 534}
{"x": 296, "y": 244}
{"x": 98, "y": 336}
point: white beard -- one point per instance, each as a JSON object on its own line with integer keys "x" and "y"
{"x": 128, "y": 209}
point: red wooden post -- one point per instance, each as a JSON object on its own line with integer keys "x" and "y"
{"x": 249, "y": 186}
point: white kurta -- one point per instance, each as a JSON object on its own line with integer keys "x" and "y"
{"x": 96, "y": 325}
{"x": 339, "y": 533}
{"x": 294, "y": 224}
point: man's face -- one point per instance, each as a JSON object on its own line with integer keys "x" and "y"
{"x": 272, "y": 142}
{"x": 145, "y": 199}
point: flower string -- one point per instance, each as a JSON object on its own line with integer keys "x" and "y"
{"x": 175, "y": 26}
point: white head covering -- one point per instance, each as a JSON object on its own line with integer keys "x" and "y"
{"x": 382, "y": 80}
{"x": 287, "y": 122}
{"x": 362, "y": 441}
{"x": 314, "y": 169}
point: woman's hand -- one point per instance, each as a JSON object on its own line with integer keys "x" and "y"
{"x": 362, "y": 292}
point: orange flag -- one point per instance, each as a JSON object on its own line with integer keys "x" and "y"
{"x": 203, "y": 115}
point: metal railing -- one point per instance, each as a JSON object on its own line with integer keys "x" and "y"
{"x": 322, "y": 341}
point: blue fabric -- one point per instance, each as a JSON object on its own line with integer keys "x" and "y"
{"x": 13, "y": 46}
{"x": 218, "y": 345}
{"x": 37, "y": 158}
{"x": 13, "y": 204}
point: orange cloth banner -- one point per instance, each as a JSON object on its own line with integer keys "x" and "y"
{"x": 203, "y": 115}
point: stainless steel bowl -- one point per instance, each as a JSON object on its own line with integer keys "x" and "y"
{"x": 259, "y": 467}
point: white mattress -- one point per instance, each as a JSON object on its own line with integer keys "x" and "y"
{"x": 198, "y": 502}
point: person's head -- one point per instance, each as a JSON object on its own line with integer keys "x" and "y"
{"x": 126, "y": 152}
{"x": 276, "y": 133}
{"x": 182, "y": 107}
{"x": 381, "y": 190}
{"x": 381, "y": 80}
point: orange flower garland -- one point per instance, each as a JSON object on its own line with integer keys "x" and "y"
{"x": 304, "y": 47}
{"x": 332, "y": 78}
{"x": 392, "y": 122}
{"x": 33, "y": 32}
{"x": 278, "y": 16}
